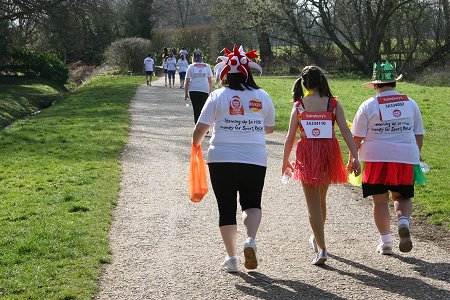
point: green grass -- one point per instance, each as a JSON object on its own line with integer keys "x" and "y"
{"x": 20, "y": 100}
{"x": 431, "y": 200}
{"x": 59, "y": 180}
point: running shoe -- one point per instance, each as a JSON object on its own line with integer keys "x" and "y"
{"x": 313, "y": 244}
{"x": 385, "y": 249}
{"x": 405, "y": 244}
{"x": 230, "y": 264}
{"x": 250, "y": 254}
{"x": 320, "y": 258}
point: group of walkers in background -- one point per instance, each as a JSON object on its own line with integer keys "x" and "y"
{"x": 170, "y": 65}
{"x": 387, "y": 136}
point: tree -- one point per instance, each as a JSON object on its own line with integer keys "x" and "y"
{"x": 139, "y": 18}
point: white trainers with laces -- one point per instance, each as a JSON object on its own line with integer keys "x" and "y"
{"x": 385, "y": 249}
{"x": 313, "y": 244}
{"x": 250, "y": 254}
{"x": 321, "y": 258}
{"x": 230, "y": 264}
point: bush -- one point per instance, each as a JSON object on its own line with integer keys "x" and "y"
{"x": 37, "y": 64}
{"x": 128, "y": 54}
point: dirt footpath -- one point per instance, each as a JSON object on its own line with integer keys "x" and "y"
{"x": 166, "y": 247}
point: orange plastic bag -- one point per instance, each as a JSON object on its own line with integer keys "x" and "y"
{"x": 198, "y": 186}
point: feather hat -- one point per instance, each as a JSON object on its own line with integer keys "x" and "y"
{"x": 237, "y": 61}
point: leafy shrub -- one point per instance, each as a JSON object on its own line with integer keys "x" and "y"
{"x": 37, "y": 64}
{"x": 128, "y": 54}
{"x": 79, "y": 73}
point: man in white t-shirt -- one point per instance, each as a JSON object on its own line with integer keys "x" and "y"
{"x": 388, "y": 130}
{"x": 148, "y": 65}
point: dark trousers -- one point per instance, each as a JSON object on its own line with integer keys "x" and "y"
{"x": 198, "y": 100}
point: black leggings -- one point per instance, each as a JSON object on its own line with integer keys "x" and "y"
{"x": 229, "y": 178}
{"x": 198, "y": 100}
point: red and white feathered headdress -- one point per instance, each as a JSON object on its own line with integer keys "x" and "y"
{"x": 237, "y": 61}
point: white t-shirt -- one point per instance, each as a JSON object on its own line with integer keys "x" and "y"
{"x": 182, "y": 65}
{"x": 387, "y": 141}
{"x": 199, "y": 73}
{"x": 171, "y": 64}
{"x": 239, "y": 119}
{"x": 149, "y": 62}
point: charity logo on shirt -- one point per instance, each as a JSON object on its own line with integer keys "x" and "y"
{"x": 394, "y": 107}
{"x": 255, "y": 105}
{"x": 317, "y": 125}
{"x": 236, "y": 106}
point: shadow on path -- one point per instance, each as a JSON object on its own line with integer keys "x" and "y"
{"x": 406, "y": 286}
{"x": 265, "y": 287}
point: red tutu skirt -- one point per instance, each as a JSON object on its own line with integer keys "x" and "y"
{"x": 319, "y": 161}
{"x": 388, "y": 173}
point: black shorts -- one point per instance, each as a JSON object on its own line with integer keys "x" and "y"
{"x": 171, "y": 73}
{"x": 165, "y": 70}
{"x": 182, "y": 75}
{"x": 406, "y": 191}
{"x": 227, "y": 179}
{"x": 149, "y": 72}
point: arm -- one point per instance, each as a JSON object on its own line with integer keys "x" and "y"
{"x": 419, "y": 142}
{"x": 199, "y": 133}
{"x": 353, "y": 163}
{"x": 290, "y": 139}
{"x": 269, "y": 129}
{"x": 187, "y": 83}
{"x": 210, "y": 84}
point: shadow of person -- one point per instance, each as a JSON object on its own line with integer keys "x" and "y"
{"x": 264, "y": 287}
{"x": 410, "y": 287}
{"x": 438, "y": 271}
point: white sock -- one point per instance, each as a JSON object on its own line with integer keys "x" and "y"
{"x": 403, "y": 221}
{"x": 386, "y": 238}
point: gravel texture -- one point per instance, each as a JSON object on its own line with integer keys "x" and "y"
{"x": 166, "y": 247}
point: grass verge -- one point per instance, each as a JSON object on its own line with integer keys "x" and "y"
{"x": 59, "y": 180}
{"x": 22, "y": 97}
{"x": 431, "y": 200}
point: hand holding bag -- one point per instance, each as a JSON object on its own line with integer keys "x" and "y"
{"x": 198, "y": 186}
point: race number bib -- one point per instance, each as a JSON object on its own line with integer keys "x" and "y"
{"x": 318, "y": 125}
{"x": 394, "y": 107}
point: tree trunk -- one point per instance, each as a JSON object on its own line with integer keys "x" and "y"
{"x": 265, "y": 48}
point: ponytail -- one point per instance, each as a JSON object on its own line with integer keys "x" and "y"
{"x": 297, "y": 90}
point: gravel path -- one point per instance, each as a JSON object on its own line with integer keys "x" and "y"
{"x": 166, "y": 247}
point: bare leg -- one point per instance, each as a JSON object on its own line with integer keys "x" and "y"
{"x": 402, "y": 205}
{"x": 313, "y": 200}
{"x": 229, "y": 233}
{"x": 323, "y": 200}
{"x": 381, "y": 212}
{"x": 252, "y": 219}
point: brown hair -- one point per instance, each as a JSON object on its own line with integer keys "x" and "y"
{"x": 312, "y": 77}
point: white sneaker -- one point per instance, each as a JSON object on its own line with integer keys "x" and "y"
{"x": 321, "y": 258}
{"x": 385, "y": 249}
{"x": 250, "y": 254}
{"x": 230, "y": 264}
{"x": 313, "y": 244}
{"x": 405, "y": 238}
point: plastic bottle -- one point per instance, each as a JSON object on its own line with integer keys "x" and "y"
{"x": 286, "y": 177}
{"x": 424, "y": 167}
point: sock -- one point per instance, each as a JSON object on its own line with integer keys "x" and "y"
{"x": 386, "y": 238}
{"x": 403, "y": 221}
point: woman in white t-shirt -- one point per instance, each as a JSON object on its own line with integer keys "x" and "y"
{"x": 241, "y": 114}
{"x": 198, "y": 83}
{"x": 182, "y": 65}
{"x": 388, "y": 131}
